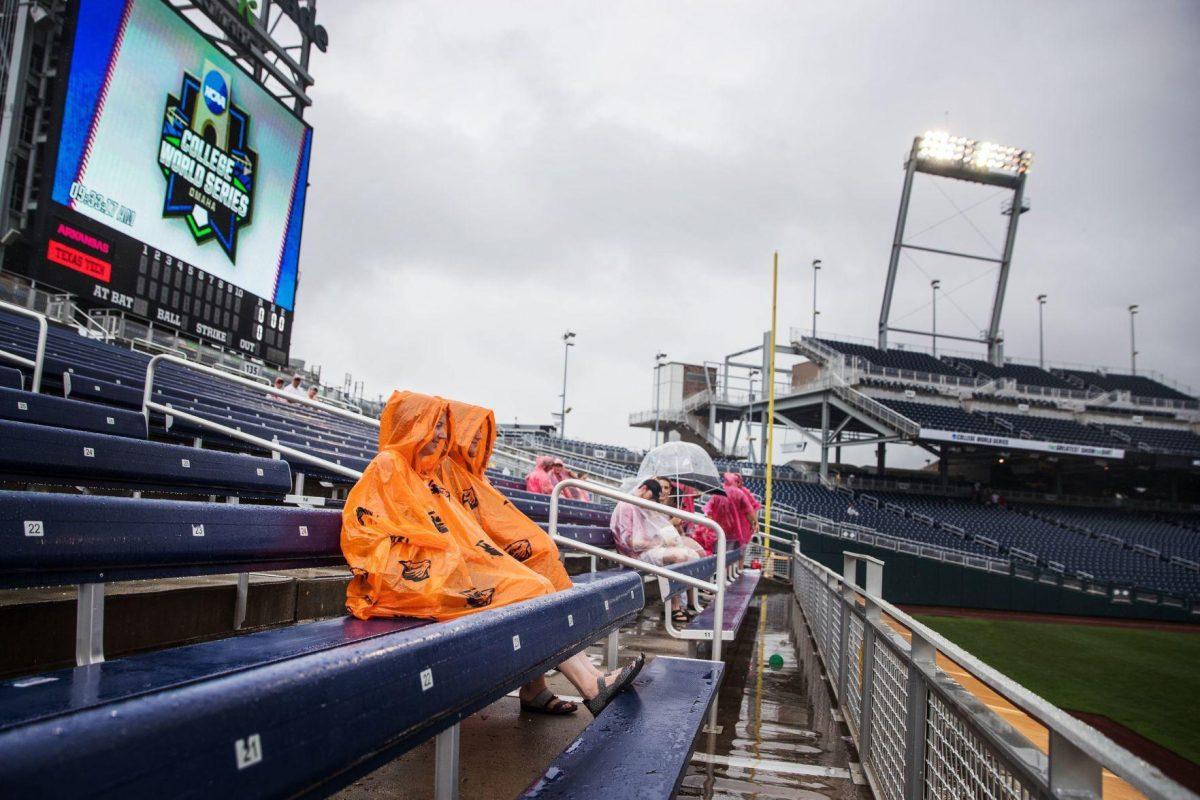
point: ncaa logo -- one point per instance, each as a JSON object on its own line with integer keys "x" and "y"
{"x": 216, "y": 93}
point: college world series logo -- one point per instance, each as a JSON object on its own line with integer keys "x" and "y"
{"x": 207, "y": 161}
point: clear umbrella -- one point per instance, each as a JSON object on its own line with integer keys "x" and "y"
{"x": 681, "y": 462}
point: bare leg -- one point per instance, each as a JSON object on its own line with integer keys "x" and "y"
{"x": 580, "y": 671}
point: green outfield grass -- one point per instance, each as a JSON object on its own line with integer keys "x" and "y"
{"x": 1149, "y": 681}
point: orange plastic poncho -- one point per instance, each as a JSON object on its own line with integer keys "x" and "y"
{"x": 415, "y": 551}
{"x": 515, "y": 533}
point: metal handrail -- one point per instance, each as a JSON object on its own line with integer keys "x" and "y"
{"x": 38, "y": 361}
{"x": 717, "y": 587}
{"x": 152, "y": 366}
{"x": 1061, "y": 726}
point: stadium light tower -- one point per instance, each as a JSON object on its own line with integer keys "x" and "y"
{"x": 658, "y": 362}
{"x": 933, "y": 287}
{"x": 939, "y": 154}
{"x": 562, "y": 413}
{"x": 1041, "y": 298}
{"x": 816, "y": 269}
{"x": 1133, "y": 310}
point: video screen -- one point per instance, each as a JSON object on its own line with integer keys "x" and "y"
{"x": 179, "y": 183}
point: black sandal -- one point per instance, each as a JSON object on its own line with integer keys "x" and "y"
{"x": 622, "y": 682}
{"x": 547, "y": 703}
{"x": 680, "y": 617}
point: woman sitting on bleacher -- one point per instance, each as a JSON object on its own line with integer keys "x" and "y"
{"x": 417, "y": 551}
{"x": 649, "y": 535}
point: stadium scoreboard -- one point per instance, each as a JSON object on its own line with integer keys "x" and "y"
{"x": 176, "y": 188}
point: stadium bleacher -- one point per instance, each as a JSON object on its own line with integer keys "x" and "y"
{"x": 1136, "y": 385}
{"x": 1023, "y": 374}
{"x": 1169, "y": 440}
{"x": 909, "y": 360}
{"x": 1054, "y": 429}
{"x": 942, "y": 417}
{"x": 990, "y": 529}
{"x": 295, "y": 676}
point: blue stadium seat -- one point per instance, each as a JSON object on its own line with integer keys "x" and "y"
{"x": 41, "y": 409}
{"x": 85, "y": 458}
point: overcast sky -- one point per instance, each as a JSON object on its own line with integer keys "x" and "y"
{"x": 487, "y": 175}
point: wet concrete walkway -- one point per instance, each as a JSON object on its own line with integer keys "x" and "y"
{"x": 777, "y": 736}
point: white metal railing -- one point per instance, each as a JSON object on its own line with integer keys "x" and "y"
{"x": 717, "y": 587}
{"x": 920, "y": 733}
{"x": 858, "y": 533}
{"x": 877, "y": 409}
{"x": 37, "y": 362}
{"x": 149, "y": 405}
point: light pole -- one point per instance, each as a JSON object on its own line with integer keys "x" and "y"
{"x": 1041, "y": 298}
{"x": 933, "y": 285}
{"x": 658, "y": 362}
{"x": 816, "y": 268}
{"x": 562, "y": 414}
{"x": 1132, "y": 342}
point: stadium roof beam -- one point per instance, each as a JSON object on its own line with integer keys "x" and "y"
{"x": 939, "y": 154}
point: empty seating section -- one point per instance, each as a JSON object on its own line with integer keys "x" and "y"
{"x": 604, "y": 452}
{"x": 1052, "y": 429}
{"x": 1051, "y": 545}
{"x": 1042, "y": 428}
{"x": 42, "y": 409}
{"x": 942, "y": 417}
{"x": 908, "y": 360}
{"x": 83, "y": 458}
{"x": 1173, "y": 440}
{"x": 114, "y": 377}
{"x": 1171, "y": 535}
{"x": 1024, "y": 374}
{"x": 1136, "y": 385}
{"x": 812, "y": 498}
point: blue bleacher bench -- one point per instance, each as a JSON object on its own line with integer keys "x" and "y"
{"x": 56, "y": 539}
{"x": 300, "y": 710}
{"x": 42, "y": 409}
{"x": 639, "y": 747}
{"x": 96, "y": 459}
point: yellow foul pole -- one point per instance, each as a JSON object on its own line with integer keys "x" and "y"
{"x": 771, "y": 407}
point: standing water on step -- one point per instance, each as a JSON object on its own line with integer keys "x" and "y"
{"x": 776, "y": 737}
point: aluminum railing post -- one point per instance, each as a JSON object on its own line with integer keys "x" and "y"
{"x": 867, "y": 685}
{"x": 923, "y": 656}
{"x": 1073, "y": 773}
{"x": 89, "y": 624}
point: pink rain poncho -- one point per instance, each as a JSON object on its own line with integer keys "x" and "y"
{"x": 649, "y": 536}
{"x": 539, "y": 480}
{"x": 721, "y": 511}
{"x": 743, "y": 509}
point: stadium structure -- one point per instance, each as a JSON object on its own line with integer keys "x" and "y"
{"x": 172, "y": 584}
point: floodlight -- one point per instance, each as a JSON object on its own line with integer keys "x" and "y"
{"x": 971, "y": 154}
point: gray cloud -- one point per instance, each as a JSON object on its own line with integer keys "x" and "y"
{"x": 487, "y": 175}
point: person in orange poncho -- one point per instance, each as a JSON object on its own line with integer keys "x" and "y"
{"x": 416, "y": 551}
{"x": 465, "y": 469}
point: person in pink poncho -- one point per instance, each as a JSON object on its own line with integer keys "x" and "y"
{"x": 721, "y": 510}
{"x": 744, "y": 505}
{"x": 539, "y": 480}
